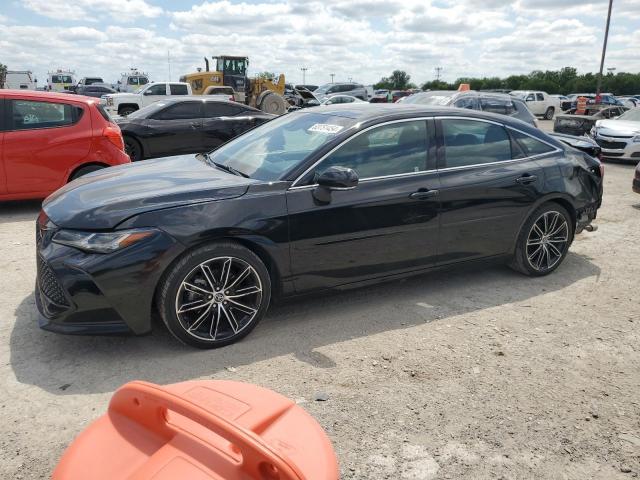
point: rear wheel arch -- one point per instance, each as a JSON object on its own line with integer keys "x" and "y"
{"x": 127, "y": 106}
{"x": 130, "y": 136}
{"x": 77, "y": 169}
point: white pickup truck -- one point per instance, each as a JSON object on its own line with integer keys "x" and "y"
{"x": 125, "y": 103}
{"x": 541, "y": 104}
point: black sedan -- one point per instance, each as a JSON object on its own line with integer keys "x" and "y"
{"x": 319, "y": 198}
{"x": 186, "y": 125}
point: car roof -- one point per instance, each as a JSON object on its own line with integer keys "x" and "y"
{"x": 365, "y": 112}
{"x": 41, "y": 95}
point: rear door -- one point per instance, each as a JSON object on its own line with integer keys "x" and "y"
{"x": 3, "y": 177}
{"x": 223, "y": 121}
{"x": 488, "y": 183}
{"x": 44, "y": 141}
{"x": 388, "y": 224}
{"x": 176, "y": 129}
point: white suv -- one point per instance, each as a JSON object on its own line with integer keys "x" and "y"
{"x": 540, "y": 103}
{"x": 125, "y": 103}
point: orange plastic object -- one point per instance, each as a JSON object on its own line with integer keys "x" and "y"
{"x": 464, "y": 87}
{"x": 200, "y": 430}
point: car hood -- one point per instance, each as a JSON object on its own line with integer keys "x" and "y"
{"x": 573, "y": 140}
{"x": 621, "y": 126}
{"x": 103, "y": 199}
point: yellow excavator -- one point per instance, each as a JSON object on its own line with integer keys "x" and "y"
{"x": 262, "y": 93}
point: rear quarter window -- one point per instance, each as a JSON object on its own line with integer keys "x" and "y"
{"x": 30, "y": 115}
{"x": 531, "y": 146}
{"x": 177, "y": 89}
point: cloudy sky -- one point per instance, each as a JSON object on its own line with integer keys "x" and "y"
{"x": 359, "y": 39}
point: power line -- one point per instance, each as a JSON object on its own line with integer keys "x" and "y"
{"x": 304, "y": 75}
{"x": 438, "y": 70}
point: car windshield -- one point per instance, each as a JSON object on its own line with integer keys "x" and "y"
{"x": 271, "y": 150}
{"x": 518, "y": 94}
{"x": 632, "y": 115}
{"x": 430, "y": 98}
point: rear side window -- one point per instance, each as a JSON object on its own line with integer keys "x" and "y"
{"x": 539, "y": 97}
{"x": 214, "y": 109}
{"x": 177, "y": 89}
{"x": 104, "y": 113}
{"x": 497, "y": 105}
{"x": 529, "y": 145}
{"x": 466, "y": 102}
{"x": 27, "y": 114}
{"x": 184, "y": 110}
{"x": 471, "y": 142}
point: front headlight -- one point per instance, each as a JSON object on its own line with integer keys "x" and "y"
{"x": 101, "y": 242}
{"x": 636, "y": 139}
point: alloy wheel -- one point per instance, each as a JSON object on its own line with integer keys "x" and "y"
{"x": 218, "y": 299}
{"x": 547, "y": 241}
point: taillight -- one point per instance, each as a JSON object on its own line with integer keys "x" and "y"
{"x": 231, "y": 98}
{"x": 113, "y": 134}
{"x": 601, "y": 170}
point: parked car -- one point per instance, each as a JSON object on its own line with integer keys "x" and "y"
{"x": 86, "y": 81}
{"x": 315, "y": 199}
{"x": 96, "y": 90}
{"x": 500, "y": 103}
{"x": 539, "y": 103}
{"x": 629, "y": 102}
{"x": 636, "y": 179}
{"x": 186, "y": 125}
{"x": 619, "y": 138}
{"x": 124, "y": 104}
{"x": 300, "y": 97}
{"x": 582, "y": 124}
{"x": 336, "y": 99}
{"x": 380, "y": 96}
{"x": 311, "y": 88}
{"x": 398, "y": 94}
{"x": 606, "y": 100}
{"x": 349, "y": 88}
{"x": 565, "y": 102}
{"x": 48, "y": 139}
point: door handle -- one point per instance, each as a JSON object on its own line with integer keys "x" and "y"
{"x": 421, "y": 194}
{"x": 195, "y": 124}
{"x": 526, "y": 179}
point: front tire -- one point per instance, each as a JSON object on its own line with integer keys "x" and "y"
{"x": 214, "y": 295}
{"x": 548, "y": 115}
{"x": 544, "y": 241}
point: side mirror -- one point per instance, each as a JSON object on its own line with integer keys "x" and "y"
{"x": 334, "y": 178}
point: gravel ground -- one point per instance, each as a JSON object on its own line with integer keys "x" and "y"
{"x": 472, "y": 373}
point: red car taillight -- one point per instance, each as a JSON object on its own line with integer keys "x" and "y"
{"x": 231, "y": 98}
{"x": 113, "y": 134}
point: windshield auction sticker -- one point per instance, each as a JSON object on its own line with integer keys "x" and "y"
{"x": 326, "y": 128}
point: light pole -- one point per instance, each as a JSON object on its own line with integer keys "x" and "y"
{"x": 304, "y": 75}
{"x": 438, "y": 70}
{"x": 332, "y": 75}
{"x": 604, "y": 48}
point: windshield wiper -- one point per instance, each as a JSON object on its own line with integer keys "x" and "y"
{"x": 226, "y": 168}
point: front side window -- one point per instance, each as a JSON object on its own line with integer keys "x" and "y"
{"x": 530, "y": 98}
{"x": 160, "y": 89}
{"x": 143, "y": 80}
{"x": 181, "y": 111}
{"x": 392, "y": 149}
{"x": 219, "y": 109}
{"x": 529, "y": 145}
{"x": 177, "y": 89}
{"x": 27, "y": 115}
{"x": 471, "y": 142}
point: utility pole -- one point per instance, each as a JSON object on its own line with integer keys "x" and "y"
{"x": 304, "y": 75}
{"x": 604, "y": 48}
{"x": 169, "y": 63}
{"x": 438, "y": 70}
{"x": 332, "y": 75}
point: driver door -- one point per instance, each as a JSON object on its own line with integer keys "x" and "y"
{"x": 154, "y": 93}
{"x": 176, "y": 129}
{"x": 387, "y": 224}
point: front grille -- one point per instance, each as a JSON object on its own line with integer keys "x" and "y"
{"x": 49, "y": 285}
{"x": 635, "y": 155}
{"x": 611, "y": 145}
{"x": 612, "y": 154}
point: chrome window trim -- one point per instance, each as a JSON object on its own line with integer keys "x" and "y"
{"x": 446, "y": 169}
{"x": 390, "y": 122}
{"x": 499, "y": 162}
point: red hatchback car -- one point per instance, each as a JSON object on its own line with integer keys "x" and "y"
{"x": 48, "y": 139}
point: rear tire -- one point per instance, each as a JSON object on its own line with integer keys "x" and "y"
{"x": 132, "y": 148}
{"x": 543, "y": 241}
{"x": 214, "y": 295}
{"x": 548, "y": 115}
{"x": 84, "y": 170}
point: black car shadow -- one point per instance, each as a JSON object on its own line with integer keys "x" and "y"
{"x": 20, "y": 211}
{"x": 72, "y": 364}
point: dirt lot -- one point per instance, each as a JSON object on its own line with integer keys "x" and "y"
{"x": 476, "y": 373}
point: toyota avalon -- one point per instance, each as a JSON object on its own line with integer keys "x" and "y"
{"x": 317, "y": 199}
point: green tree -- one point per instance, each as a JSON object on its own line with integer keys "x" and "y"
{"x": 399, "y": 80}
{"x": 3, "y": 74}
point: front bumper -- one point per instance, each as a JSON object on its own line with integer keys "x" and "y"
{"x": 90, "y": 293}
{"x": 622, "y": 148}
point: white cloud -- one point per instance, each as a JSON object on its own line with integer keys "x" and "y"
{"x": 92, "y": 10}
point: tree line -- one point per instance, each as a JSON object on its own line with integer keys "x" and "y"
{"x": 563, "y": 81}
